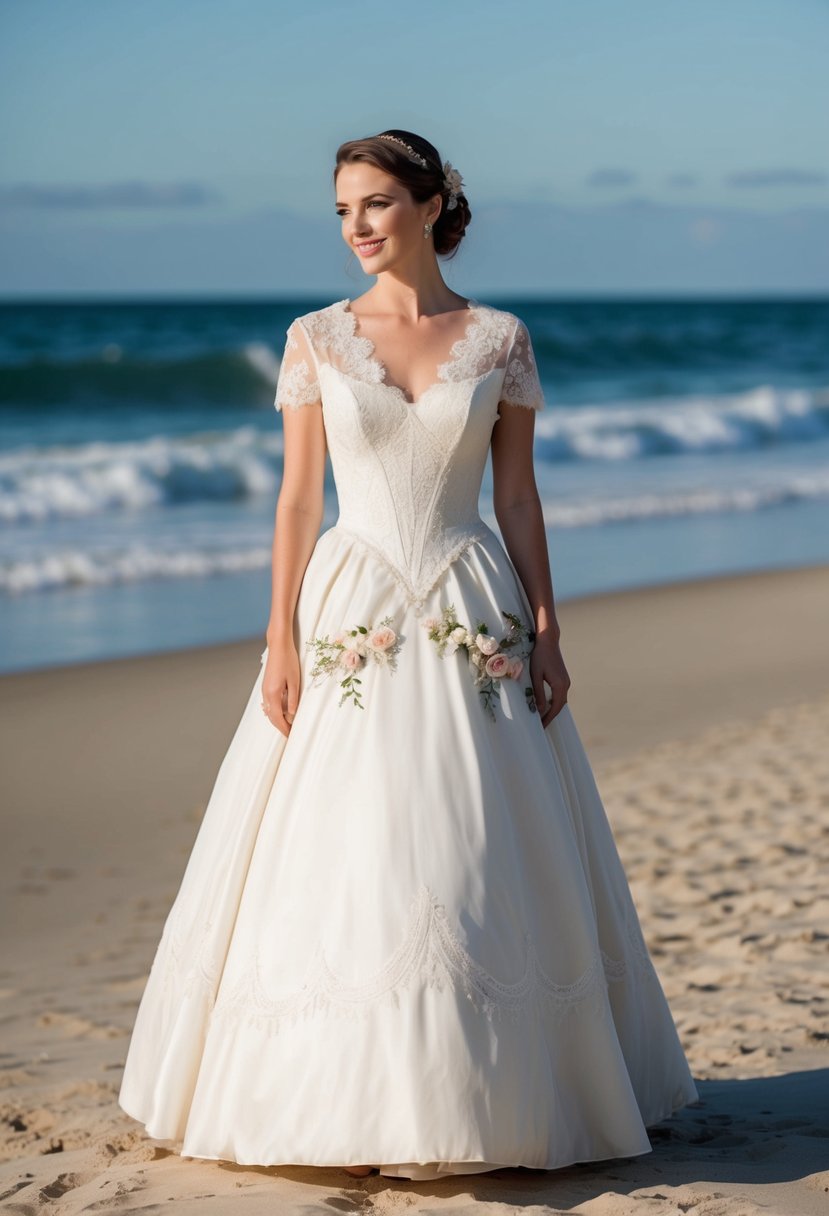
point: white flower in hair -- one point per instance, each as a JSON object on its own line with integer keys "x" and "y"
{"x": 454, "y": 184}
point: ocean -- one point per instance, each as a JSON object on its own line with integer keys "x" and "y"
{"x": 140, "y": 457}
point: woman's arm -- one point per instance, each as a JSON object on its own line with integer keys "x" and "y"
{"x": 519, "y": 513}
{"x": 299, "y": 514}
{"x": 520, "y": 517}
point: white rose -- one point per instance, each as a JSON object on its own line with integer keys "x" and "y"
{"x": 486, "y": 643}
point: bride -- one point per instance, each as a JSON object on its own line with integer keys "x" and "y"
{"x": 404, "y": 940}
{"x": 414, "y": 319}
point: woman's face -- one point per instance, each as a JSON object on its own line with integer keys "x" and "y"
{"x": 381, "y": 221}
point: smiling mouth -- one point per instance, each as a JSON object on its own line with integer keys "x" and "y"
{"x": 368, "y": 247}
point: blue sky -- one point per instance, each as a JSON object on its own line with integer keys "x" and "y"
{"x": 186, "y": 147}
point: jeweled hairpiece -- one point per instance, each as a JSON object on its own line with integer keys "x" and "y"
{"x": 421, "y": 160}
{"x": 452, "y": 180}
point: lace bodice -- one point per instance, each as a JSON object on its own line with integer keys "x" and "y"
{"x": 408, "y": 474}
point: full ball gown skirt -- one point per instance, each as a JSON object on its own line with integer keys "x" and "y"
{"x": 404, "y": 936}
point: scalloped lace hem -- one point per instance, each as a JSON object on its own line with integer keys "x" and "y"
{"x": 430, "y": 954}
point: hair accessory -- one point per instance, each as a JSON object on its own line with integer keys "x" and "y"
{"x": 452, "y": 180}
{"x": 454, "y": 184}
{"x": 421, "y": 160}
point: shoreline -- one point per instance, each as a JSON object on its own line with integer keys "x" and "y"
{"x": 163, "y": 601}
{"x": 704, "y": 709}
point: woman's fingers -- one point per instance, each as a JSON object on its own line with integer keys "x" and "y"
{"x": 280, "y": 705}
{"x": 549, "y": 708}
{"x": 291, "y": 697}
{"x": 277, "y": 716}
{"x": 559, "y": 700}
{"x": 549, "y": 713}
{"x": 287, "y": 709}
{"x": 540, "y": 695}
{"x": 273, "y": 708}
{"x": 548, "y": 672}
{"x": 280, "y": 690}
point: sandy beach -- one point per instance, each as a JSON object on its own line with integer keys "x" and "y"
{"x": 704, "y": 707}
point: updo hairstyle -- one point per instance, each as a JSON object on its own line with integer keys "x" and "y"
{"x": 421, "y": 182}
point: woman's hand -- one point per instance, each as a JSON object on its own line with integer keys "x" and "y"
{"x": 280, "y": 685}
{"x": 547, "y": 663}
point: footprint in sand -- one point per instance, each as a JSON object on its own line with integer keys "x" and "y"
{"x": 62, "y": 1184}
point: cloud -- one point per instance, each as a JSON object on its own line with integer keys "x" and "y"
{"x": 777, "y": 177}
{"x": 611, "y": 178}
{"x": 133, "y": 195}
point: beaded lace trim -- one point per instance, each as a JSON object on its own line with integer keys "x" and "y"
{"x": 430, "y": 953}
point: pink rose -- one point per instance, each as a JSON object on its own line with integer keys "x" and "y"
{"x": 382, "y": 638}
{"x": 486, "y": 643}
{"x": 517, "y": 668}
{"x": 351, "y": 659}
{"x": 499, "y": 665}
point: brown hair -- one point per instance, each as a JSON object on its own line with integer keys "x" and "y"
{"x": 421, "y": 182}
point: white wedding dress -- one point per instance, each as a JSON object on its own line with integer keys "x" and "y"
{"x": 404, "y": 936}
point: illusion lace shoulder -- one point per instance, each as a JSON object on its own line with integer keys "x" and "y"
{"x": 495, "y": 341}
{"x": 297, "y": 384}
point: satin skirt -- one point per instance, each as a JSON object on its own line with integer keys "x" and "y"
{"x": 404, "y": 936}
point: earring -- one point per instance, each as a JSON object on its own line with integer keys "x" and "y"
{"x": 427, "y": 228}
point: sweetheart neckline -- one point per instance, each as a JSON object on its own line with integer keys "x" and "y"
{"x": 474, "y": 308}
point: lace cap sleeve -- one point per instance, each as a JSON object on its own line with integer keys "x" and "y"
{"x": 297, "y": 383}
{"x": 521, "y": 382}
